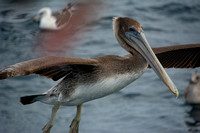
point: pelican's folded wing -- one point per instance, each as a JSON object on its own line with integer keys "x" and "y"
{"x": 62, "y": 17}
{"x": 179, "y": 56}
{"x": 50, "y": 67}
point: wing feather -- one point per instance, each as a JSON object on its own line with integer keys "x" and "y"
{"x": 179, "y": 56}
{"x": 50, "y": 67}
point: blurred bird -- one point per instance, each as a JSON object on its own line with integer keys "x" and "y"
{"x": 192, "y": 92}
{"x": 53, "y": 21}
{"x": 80, "y": 15}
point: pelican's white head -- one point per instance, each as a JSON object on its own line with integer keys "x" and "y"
{"x": 44, "y": 12}
{"x": 47, "y": 21}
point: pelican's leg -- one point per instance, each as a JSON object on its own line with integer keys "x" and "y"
{"x": 75, "y": 122}
{"x": 49, "y": 125}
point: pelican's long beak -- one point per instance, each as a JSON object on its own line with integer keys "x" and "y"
{"x": 138, "y": 41}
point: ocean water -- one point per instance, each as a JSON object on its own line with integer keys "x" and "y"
{"x": 144, "y": 106}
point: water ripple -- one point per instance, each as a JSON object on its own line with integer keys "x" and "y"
{"x": 176, "y": 8}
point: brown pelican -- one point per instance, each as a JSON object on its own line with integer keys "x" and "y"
{"x": 53, "y": 21}
{"x": 88, "y": 79}
{"x": 192, "y": 92}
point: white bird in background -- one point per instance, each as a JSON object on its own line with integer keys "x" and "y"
{"x": 53, "y": 21}
{"x": 192, "y": 92}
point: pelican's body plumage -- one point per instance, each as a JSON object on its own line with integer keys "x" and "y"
{"x": 97, "y": 82}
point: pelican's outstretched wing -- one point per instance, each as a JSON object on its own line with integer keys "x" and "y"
{"x": 179, "y": 56}
{"x": 50, "y": 67}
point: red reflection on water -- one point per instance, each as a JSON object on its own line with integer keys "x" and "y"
{"x": 56, "y": 42}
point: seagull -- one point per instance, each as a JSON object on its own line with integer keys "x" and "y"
{"x": 83, "y": 80}
{"x": 192, "y": 92}
{"x": 53, "y": 21}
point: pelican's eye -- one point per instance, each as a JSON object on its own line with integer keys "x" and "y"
{"x": 131, "y": 29}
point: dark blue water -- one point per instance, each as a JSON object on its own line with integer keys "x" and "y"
{"x": 144, "y": 106}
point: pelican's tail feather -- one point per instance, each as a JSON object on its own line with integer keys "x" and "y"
{"x": 31, "y": 99}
